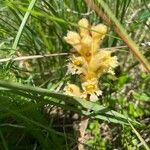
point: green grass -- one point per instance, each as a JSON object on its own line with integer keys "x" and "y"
{"x": 29, "y": 88}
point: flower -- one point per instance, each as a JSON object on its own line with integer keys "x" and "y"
{"x": 86, "y": 41}
{"x": 86, "y": 44}
{"x": 84, "y": 25}
{"x": 88, "y": 75}
{"x": 102, "y": 62}
{"x": 72, "y": 90}
{"x": 98, "y": 31}
{"x": 90, "y": 88}
{"x": 77, "y": 65}
{"x": 73, "y": 38}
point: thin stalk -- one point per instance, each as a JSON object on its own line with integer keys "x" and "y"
{"x": 31, "y": 57}
{"x": 22, "y": 58}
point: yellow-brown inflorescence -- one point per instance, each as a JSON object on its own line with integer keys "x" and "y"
{"x": 89, "y": 62}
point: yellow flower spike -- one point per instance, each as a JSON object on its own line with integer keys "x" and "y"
{"x": 84, "y": 25}
{"x": 89, "y": 62}
{"x": 72, "y": 90}
{"x": 91, "y": 89}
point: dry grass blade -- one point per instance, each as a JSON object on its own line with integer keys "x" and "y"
{"x": 31, "y": 57}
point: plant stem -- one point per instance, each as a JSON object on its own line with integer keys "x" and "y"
{"x": 82, "y": 128}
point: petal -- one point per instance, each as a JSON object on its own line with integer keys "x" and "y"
{"x": 98, "y": 93}
{"x": 93, "y": 97}
{"x": 83, "y": 96}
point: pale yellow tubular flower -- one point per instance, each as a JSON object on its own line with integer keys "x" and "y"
{"x": 109, "y": 63}
{"x": 86, "y": 41}
{"x": 84, "y": 27}
{"x": 90, "y": 88}
{"x": 88, "y": 75}
{"x": 72, "y": 90}
{"x": 98, "y": 33}
{"x": 102, "y": 63}
{"x": 98, "y": 59}
{"x": 73, "y": 38}
{"x": 85, "y": 51}
{"x": 77, "y": 65}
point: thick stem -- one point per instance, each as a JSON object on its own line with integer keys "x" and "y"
{"x": 82, "y": 128}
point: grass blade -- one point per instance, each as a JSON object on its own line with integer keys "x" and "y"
{"x": 139, "y": 137}
{"x": 97, "y": 109}
{"x": 3, "y": 141}
{"x": 23, "y": 23}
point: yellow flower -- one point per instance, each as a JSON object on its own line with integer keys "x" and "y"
{"x": 102, "y": 62}
{"x": 77, "y": 65}
{"x": 86, "y": 41}
{"x": 91, "y": 89}
{"x": 73, "y": 38}
{"x": 84, "y": 25}
{"x": 72, "y": 90}
{"x": 88, "y": 75}
{"x": 86, "y": 45}
{"x": 98, "y": 31}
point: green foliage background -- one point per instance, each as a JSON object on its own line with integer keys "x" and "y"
{"x": 120, "y": 120}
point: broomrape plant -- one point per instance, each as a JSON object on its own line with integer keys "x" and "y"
{"x": 89, "y": 62}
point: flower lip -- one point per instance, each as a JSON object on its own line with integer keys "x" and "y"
{"x": 90, "y": 87}
{"x": 76, "y": 65}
